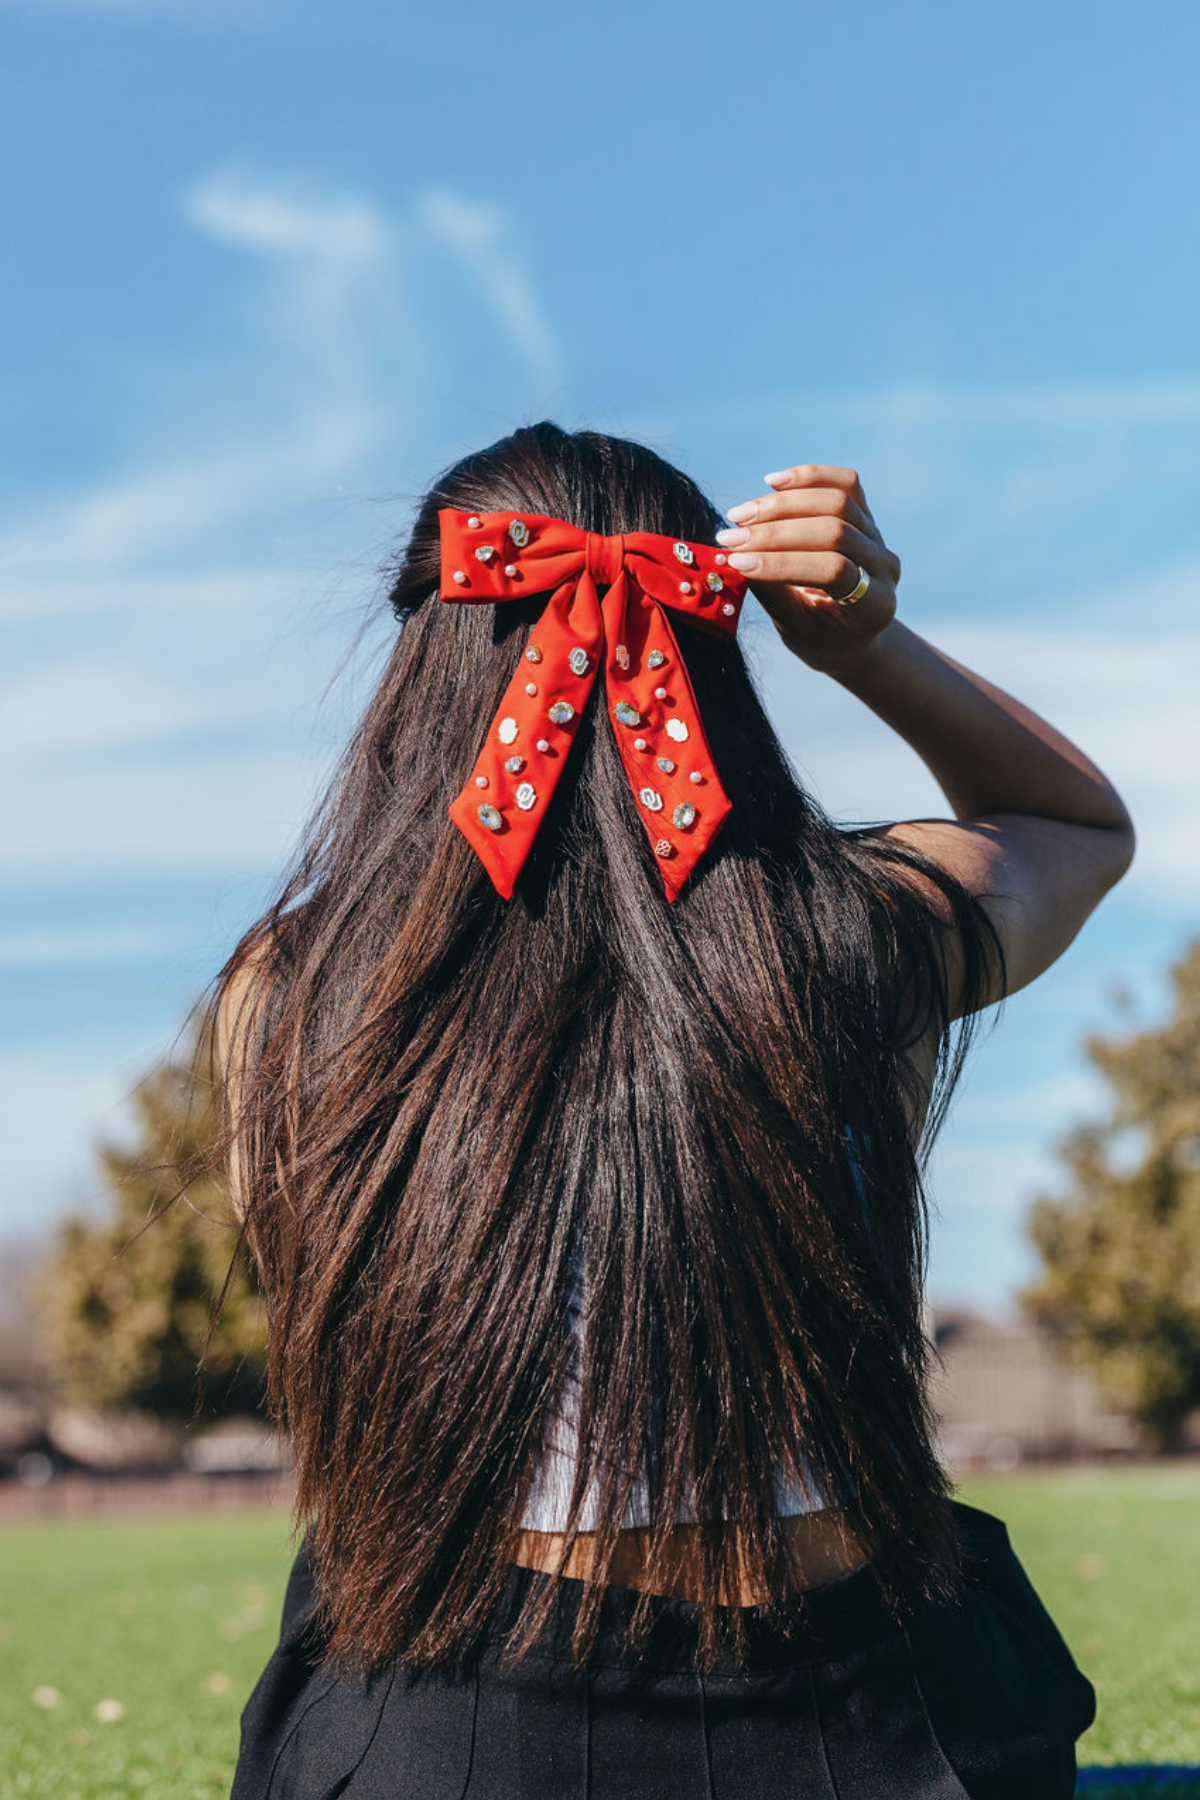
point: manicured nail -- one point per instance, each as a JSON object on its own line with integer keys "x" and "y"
{"x": 781, "y": 478}
{"x": 741, "y": 515}
{"x": 745, "y": 560}
{"x": 733, "y": 534}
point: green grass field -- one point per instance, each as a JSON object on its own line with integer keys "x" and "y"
{"x": 173, "y": 1619}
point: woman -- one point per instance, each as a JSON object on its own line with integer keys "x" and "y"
{"x": 577, "y": 1118}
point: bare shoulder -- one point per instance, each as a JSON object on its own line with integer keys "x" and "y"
{"x": 1037, "y": 880}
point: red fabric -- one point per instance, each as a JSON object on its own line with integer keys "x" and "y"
{"x": 642, "y": 574}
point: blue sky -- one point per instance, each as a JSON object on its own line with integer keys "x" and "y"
{"x": 270, "y": 267}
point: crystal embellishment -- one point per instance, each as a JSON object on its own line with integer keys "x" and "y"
{"x": 665, "y": 764}
{"x": 560, "y": 712}
{"x": 518, "y": 531}
{"x": 526, "y": 796}
{"x": 628, "y": 715}
{"x": 677, "y": 729}
{"x": 514, "y": 763}
{"x": 656, "y": 659}
{"x": 684, "y": 815}
{"x": 685, "y": 553}
{"x": 490, "y": 817}
{"x": 485, "y": 552}
{"x": 533, "y": 654}
{"x": 506, "y": 730}
{"x": 651, "y": 799}
{"x": 578, "y": 660}
{"x": 713, "y": 582}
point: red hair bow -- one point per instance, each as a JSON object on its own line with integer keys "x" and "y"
{"x": 496, "y": 556}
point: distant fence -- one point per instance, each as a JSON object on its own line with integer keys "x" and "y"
{"x": 77, "y": 1496}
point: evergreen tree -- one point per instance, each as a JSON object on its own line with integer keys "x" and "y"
{"x": 126, "y": 1310}
{"x": 1120, "y": 1249}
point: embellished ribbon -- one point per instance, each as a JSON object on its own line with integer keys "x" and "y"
{"x": 496, "y": 556}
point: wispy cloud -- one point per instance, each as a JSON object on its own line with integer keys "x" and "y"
{"x": 481, "y": 237}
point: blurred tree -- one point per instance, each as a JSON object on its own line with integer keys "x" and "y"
{"x": 126, "y": 1310}
{"x": 1120, "y": 1286}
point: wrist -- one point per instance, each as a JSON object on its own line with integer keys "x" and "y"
{"x": 856, "y": 658}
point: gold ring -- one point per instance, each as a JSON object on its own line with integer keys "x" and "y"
{"x": 864, "y": 582}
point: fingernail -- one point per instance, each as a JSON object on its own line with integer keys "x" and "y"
{"x": 741, "y": 515}
{"x": 745, "y": 560}
{"x": 780, "y": 478}
{"x": 733, "y": 534}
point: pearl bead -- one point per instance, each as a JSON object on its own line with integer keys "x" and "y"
{"x": 696, "y": 776}
{"x": 474, "y": 521}
{"x": 543, "y": 745}
{"x": 719, "y": 557}
{"x": 481, "y": 781}
{"x": 729, "y": 607}
{"x": 660, "y": 693}
{"x": 685, "y": 587}
{"x": 639, "y": 743}
{"x": 531, "y": 687}
{"x": 510, "y": 570}
{"x": 460, "y": 575}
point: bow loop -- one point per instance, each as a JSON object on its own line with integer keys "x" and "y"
{"x": 652, "y": 708}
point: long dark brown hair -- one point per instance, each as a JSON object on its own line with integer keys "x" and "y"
{"x": 441, "y": 1093}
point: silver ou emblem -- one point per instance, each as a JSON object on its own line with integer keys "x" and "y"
{"x": 506, "y": 730}
{"x": 490, "y": 817}
{"x": 628, "y": 715}
{"x": 526, "y": 795}
{"x": 518, "y": 531}
{"x": 713, "y": 581}
{"x": 650, "y": 798}
{"x": 685, "y": 553}
{"x": 485, "y": 552}
{"x": 578, "y": 660}
{"x": 622, "y": 656}
{"x": 560, "y": 712}
{"x": 678, "y": 730}
{"x": 684, "y": 815}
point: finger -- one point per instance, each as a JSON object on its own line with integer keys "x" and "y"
{"x": 819, "y": 533}
{"x": 826, "y": 569}
{"x": 802, "y": 475}
{"x": 800, "y": 503}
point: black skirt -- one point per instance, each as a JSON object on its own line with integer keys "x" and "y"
{"x": 978, "y": 1698}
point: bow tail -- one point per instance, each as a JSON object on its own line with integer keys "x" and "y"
{"x": 679, "y": 795}
{"x": 500, "y": 808}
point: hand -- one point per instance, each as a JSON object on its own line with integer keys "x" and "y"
{"x": 803, "y": 544}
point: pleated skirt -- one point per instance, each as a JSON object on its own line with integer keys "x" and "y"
{"x": 978, "y": 1698}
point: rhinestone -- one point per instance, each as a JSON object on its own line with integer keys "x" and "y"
{"x": 663, "y": 847}
{"x": 514, "y": 763}
{"x": 485, "y": 552}
{"x": 650, "y": 798}
{"x": 677, "y": 729}
{"x": 622, "y": 656}
{"x": 656, "y": 659}
{"x": 474, "y": 521}
{"x": 490, "y": 817}
{"x": 719, "y": 557}
{"x": 660, "y": 693}
{"x": 628, "y": 715}
{"x": 533, "y": 654}
{"x": 526, "y": 796}
{"x": 531, "y": 687}
{"x": 729, "y": 607}
{"x": 518, "y": 531}
{"x": 578, "y": 660}
{"x": 481, "y": 781}
{"x": 560, "y": 712}
{"x": 543, "y": 745}
{"x": 713, "y": 581}
{"x": 696, "y": 776}
{"x": 506, "y": 731}
{"x": 665, "y": 764}
{"x": 684, "y": 815}
{"x": 640, "y": 744}
{"x": 685, "y": 553}
{"x": 460, "y": 575}
{"x": 685, "y": 587}
{"x": 510, "y": 570}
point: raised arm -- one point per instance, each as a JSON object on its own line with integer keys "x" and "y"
{"x": 1039, "y": 834}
